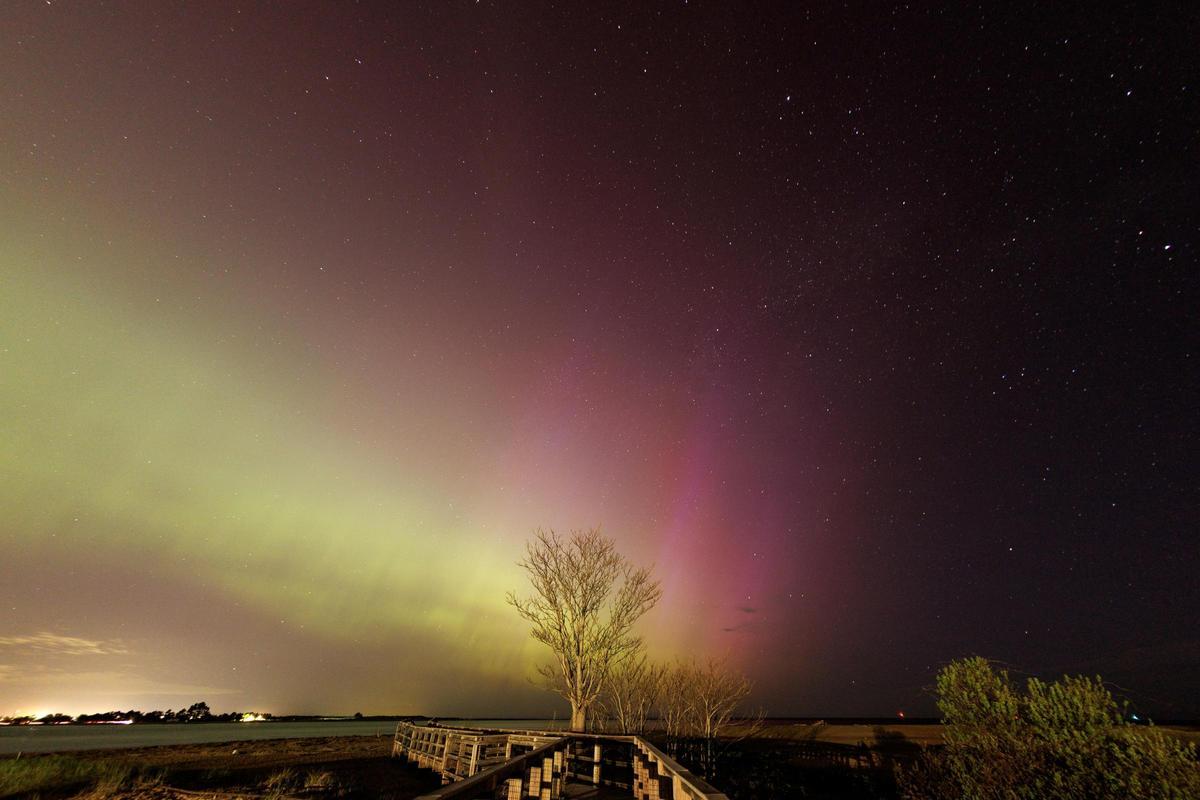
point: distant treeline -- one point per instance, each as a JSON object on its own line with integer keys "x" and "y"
{"x": 196, "y": 712}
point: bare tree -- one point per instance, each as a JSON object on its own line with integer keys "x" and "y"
{"x": 631, "y": 691}
{"x": 675, "y": 699}
{"x": 716, "y": 693}
{"x": 698, "y": 702}
{"x": 586, "y": 599}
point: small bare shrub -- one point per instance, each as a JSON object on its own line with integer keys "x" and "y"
{"x": 630, "y": 693}
{"x": 320, "y": 779}
{"x": 699, "y": 700}
{"x": 280, "y": 782}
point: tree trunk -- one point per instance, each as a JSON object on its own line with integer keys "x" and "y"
{"x": 578, "y": 718}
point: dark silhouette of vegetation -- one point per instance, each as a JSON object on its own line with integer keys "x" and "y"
{"x": 761, "y": 767}
{"x": 196, "y": 712}
{"x": 1066, "y": 739}
{"x": 56, "y": 719}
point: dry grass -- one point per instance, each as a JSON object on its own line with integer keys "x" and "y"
{"x": 94, "y": 777}
{"x": 326, "y": 767}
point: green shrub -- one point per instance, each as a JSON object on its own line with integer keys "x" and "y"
{"x": 1065, "y": 740}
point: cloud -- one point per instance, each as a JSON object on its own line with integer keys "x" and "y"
{"x": 746, "y": 624}
{"x": 46, "y": 643}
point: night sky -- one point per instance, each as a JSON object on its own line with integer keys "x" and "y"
{"x": 873, "y": 328}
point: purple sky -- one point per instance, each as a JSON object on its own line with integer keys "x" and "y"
{"x": 872, "y": 328}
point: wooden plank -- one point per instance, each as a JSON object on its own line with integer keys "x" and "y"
{"x": 477, "y": 761}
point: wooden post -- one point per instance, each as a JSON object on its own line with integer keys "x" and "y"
{"x": 474, "y": 758}
{"x": 597, "y": 755}
{"x": 557, "y": 775}
{"x": 445, "y": 758}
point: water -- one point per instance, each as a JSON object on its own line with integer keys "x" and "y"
{"x": 62, "y": 738}
{"x": 506, "y": 724}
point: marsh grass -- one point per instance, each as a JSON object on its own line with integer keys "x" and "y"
{"x": 20, "y": 776}
{"x": 281, "y": 782}
{"x": 320, "y": 779}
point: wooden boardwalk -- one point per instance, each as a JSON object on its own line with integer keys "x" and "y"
{"x": 545, "y": 765}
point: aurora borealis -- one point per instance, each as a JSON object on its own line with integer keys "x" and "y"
{"x": 874, "y": 331}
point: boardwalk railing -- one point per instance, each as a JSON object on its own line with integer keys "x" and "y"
{"x": 458, "y": 753}
{"x": 539, "y": 764}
